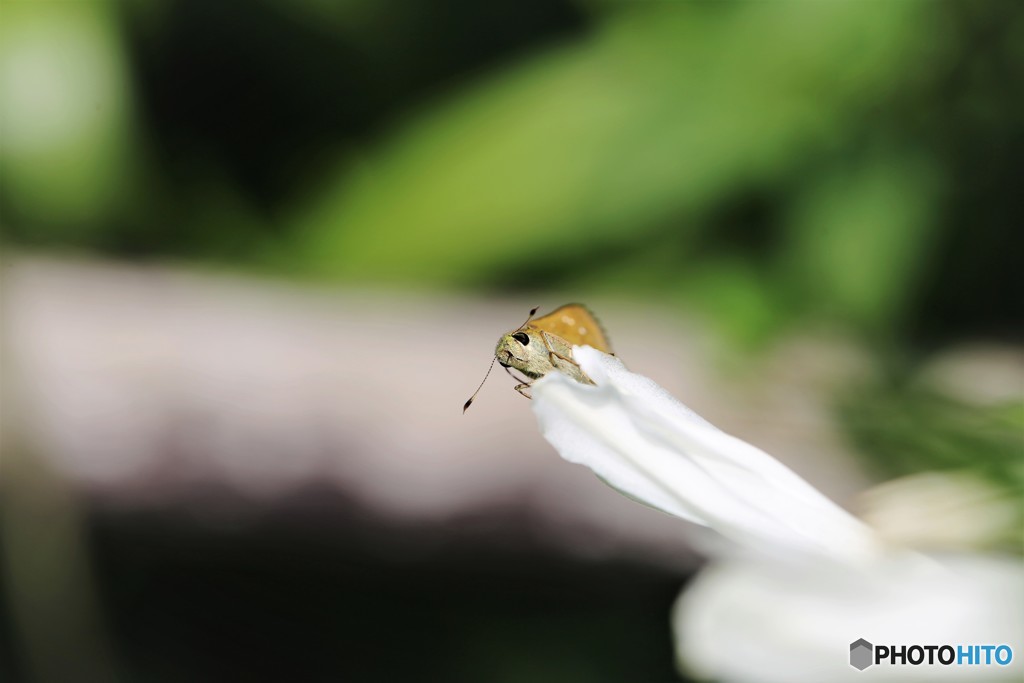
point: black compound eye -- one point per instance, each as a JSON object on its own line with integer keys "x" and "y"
{"x": 522, "y": 338}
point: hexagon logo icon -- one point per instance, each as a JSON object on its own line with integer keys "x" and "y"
{"x": 861, "y": 652}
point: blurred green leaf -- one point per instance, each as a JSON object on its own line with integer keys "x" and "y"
{"x": 907, "y": 430}
{"x": 859, "y": 239}
{"x": 659, "y": 113}
{"x": 741, "y": 302}
{"x": 65, "y": 112}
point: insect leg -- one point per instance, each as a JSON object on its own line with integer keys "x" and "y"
{"x": 552, "y": 354}
{"x": 521, "y": 380}
{"x": 523, "y": 385}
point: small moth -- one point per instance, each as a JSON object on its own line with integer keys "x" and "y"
{"x": 539, "y": 346}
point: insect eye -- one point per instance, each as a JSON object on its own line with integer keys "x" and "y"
{"x": 522, "y": 338}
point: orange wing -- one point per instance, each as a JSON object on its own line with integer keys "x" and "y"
{"x": 576, "y": 325}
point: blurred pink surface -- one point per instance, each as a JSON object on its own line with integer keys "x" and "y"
{"x": 217, "y": 395}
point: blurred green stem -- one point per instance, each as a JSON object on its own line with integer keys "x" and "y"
{"x": 54, "y": 610}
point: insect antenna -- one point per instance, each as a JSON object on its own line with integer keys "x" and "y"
{"x": 533, "y": 312}
{"x": 470, "y": 401}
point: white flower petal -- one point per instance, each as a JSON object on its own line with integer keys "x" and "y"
{"x": 759, "y": 622}
{"x": 645, "y": 443}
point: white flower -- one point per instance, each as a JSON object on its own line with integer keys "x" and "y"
{"x": 817, "y": 579}
{"x": 643, "y": 442}
{"x": 763, "y": 622}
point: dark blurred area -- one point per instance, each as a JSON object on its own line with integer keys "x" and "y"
{"x": 255, "y": 254}
{"x": 287, "y": 601}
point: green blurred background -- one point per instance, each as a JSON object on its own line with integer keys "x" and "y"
{"x": 777, "y": 167}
